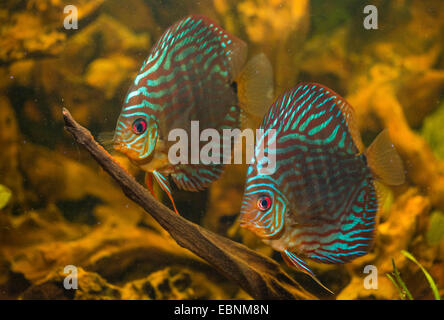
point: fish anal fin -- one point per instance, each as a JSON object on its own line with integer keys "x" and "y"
{"x": 255, "y": 86}
{"x": 384, "y": 161}
{"x": 293, "y": 261}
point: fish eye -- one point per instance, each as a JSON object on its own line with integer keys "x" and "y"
{"x": 264, "y": 203}
{"x": 139, "y": 126}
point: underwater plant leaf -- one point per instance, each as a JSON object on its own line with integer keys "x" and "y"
{"x": 427, "y": 275}
{"x": 401, "y": 295}
{"x": 435, "y": 230}
{"x": 433, "y": 133}
{"x": 5, "y": 196}
{"x": 404, "y": 292}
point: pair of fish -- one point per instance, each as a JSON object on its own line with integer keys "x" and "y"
{"x": 322, "y": 200}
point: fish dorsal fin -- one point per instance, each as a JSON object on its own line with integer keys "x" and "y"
{"x": 255, "y": 86}
{"x": 349, "y": 115}
{"x": 195, "y": 177}
{"x": 293, "y": 261}
{"x": 237, "y": 55}
{"x": 235, "y": 49}
{"x": 384, "y": 161}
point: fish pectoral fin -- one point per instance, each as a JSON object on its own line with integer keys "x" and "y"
{"x": 149, "y": 184}
{"x": 106, "y": 140}
{"x": 165, "y": 185}
{"x": 293, "y": 261}
{"x": 255, "y": 86}
{"x": 384, "y": 161}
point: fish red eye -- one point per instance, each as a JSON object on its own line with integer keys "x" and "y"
{"x": 139, "y": 126}
{"x": 264, "y": 203}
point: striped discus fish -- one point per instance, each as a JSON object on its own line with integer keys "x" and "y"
{"x": 195, "y": 72}
{"x": 322, "y": 200}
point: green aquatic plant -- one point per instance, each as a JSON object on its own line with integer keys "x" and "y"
{"x": 5, "y": 196}
{"x": 395, "y": 278}
{"x": 435, "y": 232}
{"x": 433, "y": 133}
{"x": 427, "y": 275}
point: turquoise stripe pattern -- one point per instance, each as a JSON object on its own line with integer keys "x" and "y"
{"x": 324, "y": 199}
{"x": 187, "y": 76}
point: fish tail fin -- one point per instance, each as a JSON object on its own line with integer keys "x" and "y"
{"x": 255, "y": 88}
{"x": 384, "y": 161}
{"x": 293, "y": 261}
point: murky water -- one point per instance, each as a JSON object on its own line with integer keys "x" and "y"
{"x": 58, "y": 208}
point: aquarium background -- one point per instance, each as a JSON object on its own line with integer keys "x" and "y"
{"x": 59, "y": 208}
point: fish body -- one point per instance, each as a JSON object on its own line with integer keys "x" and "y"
{"x": 191, "y": 74}
{"x": 321, "y": 201}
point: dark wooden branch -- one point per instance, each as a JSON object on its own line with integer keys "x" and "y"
{"x": 258, "y": 275}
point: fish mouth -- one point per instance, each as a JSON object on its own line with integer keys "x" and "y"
{"x": 119, "y": 147}
{"x": 248, "y": 225}
{"x": 261, "y": 232}
{"x": 133, "y": 155}
{"x": 245, "y": 224}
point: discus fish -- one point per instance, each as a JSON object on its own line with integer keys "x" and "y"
{"x": 322, "y": 199}
{"x": 196, "y": 72}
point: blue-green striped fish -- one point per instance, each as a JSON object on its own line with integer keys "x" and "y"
{"x": 195, "y": 72}
{"x": 322, "y": 200}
